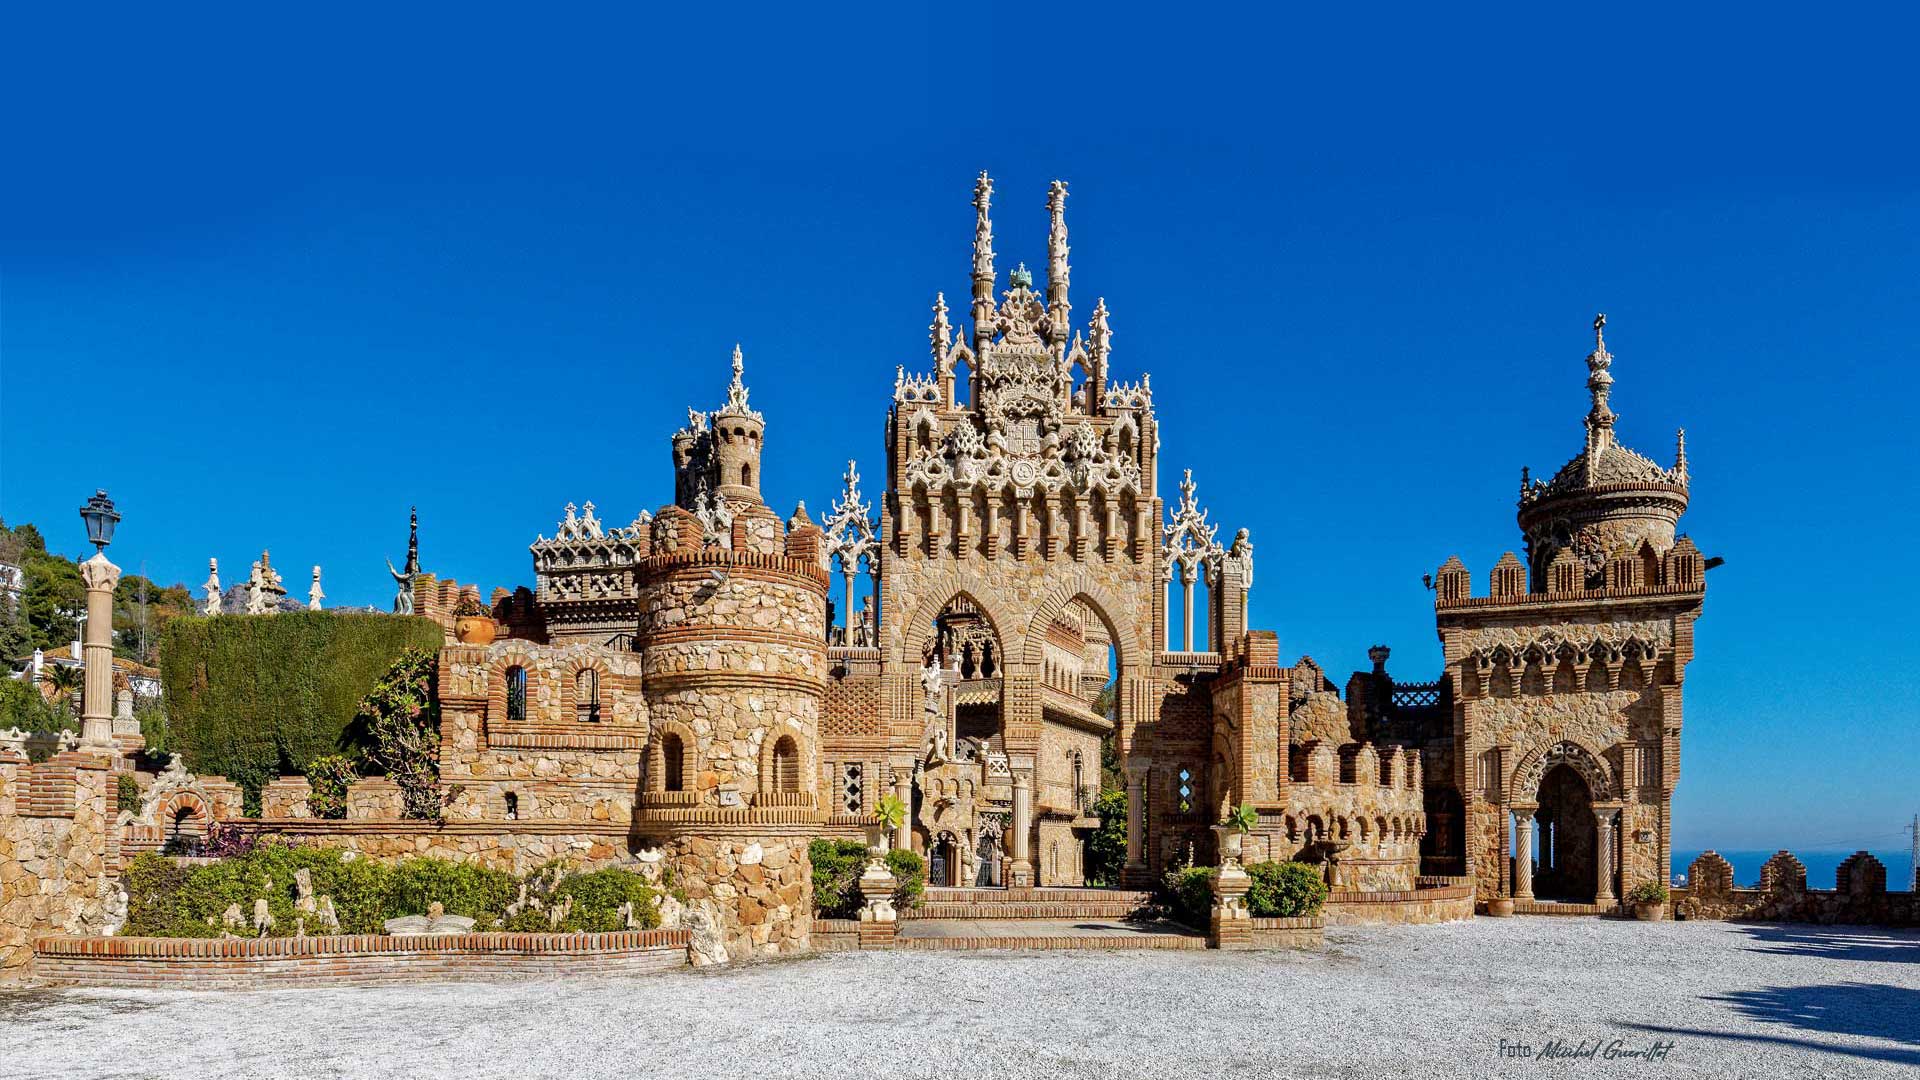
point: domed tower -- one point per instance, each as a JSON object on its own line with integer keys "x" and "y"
{"x": 732, "y": 636}
{"x": 737, "y": 435}
{"x": 1608, "y": 501}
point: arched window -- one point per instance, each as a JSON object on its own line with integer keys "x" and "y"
{"x": 673, "y": 760}
{"x": 746, "y": 476}
{"x": 586, "y": 695}
{"x": 1079, "y": 780}
{"x": 786, "y": 765}
{"x": 516, "y": 694}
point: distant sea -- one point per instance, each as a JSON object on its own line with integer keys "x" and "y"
{"x": 1820, "y": 866}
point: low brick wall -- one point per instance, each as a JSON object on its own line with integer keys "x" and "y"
{"x": 1444, "y": 903}
{"x": 836, "y": 935}
{"x": 1304, "y": 932}
{"x": 349, "y": 960}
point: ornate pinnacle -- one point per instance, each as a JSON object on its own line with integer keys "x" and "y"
{"x": 1599, "y": 383}
{"x": 413, "y": 540}
{"x": 982, "y": 239}
{"x": 940, "y": 332}
{"x": 1057, "y": 269}
{"x": 1099, "y": 335}
{"x": 737, "y": 391}
{"x": 1680, "y": 456}
{"x": 1021, "y": 277}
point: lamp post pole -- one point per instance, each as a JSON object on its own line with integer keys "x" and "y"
{"x": 100, "y": 577}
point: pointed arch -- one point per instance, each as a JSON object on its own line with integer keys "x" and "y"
{"x": 1082, "y": 586}
{"x": 910, "y": 643}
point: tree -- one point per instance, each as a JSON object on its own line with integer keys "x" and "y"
{"x": 22, "y": 707}
{"x": 398, "y": 726}
{"x": 53, "y": 597}
{"x": 66, "y": 684}
{"x": 1107, "y": 847}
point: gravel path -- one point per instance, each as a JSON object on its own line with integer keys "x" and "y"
{"x": 1432, "y": 1001}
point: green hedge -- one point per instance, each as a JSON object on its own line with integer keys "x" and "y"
{"x": 1280, "y": 890}
{"x": 167, "y": 899}
{"x": 837, "y": 866}
{"x": 250, "y": 697}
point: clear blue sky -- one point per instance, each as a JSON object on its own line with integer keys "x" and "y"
{"x": 324, "y": 266}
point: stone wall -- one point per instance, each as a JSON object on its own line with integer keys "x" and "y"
{"x": 351, "y": 960}
{"x": 761, "y": 888}
{"x": 1859, "y": 895}
{"x": 57, "y": 850}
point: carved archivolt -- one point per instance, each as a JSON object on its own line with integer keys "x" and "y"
{"x": 1526, "y": 778}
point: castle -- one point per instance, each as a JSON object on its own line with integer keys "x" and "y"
{"x": 686, "y": 689}
{"x": 688, "y": 679}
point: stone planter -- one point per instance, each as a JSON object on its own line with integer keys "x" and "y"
{"x": 1232, "y": 843}
{"x": 1501, "y": 908}
{"x": 877, "y": 840}
{"x": 475, "y": 630}
{"x": 1650, "y": 912}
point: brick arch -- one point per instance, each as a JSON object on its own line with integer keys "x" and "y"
{"x": 807, "y": 775}
{"x": 569, "y": 675}
{"x": 914, "y": 633}
{"x": 1080, "y": 585}
{"x": 1592, "y": 767}
{"x": 497, "y": 684}
{"x": 657, "y": 732}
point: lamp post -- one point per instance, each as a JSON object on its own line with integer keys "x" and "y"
{"x": 100, "y": 577}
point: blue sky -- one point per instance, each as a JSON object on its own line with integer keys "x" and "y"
{"x": 483, "y": 262}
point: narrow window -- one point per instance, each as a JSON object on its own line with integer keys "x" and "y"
{"x": 786, "y": 765}
{"x": 746, "y": 476}
{"x": 516, "y": 694}
{"x": 673, "y": 762}
{"x": 586, "y": 687}
{"x": 851, "y": 784}
{"x": 513, "y": 807}
{"x": 1185, "y": 790}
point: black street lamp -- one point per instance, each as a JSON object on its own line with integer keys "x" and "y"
{"x": 100, "y": 517}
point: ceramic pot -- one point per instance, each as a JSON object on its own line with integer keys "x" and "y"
{"x": 475, "y": 630}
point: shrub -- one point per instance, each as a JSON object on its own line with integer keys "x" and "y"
{"x": 398, "y": 723}
{"x": 598, "y": 896}
{"x": 330, "y": 775}
{"x": 1284, "y": 890}
{"x": 1647, "y": 892}
{"x": 1190, "y": 892}
{"x": 249, "y": 697}
{"x": 1107, "y": 847}
{"x": 837, "y": 866}
{"x": 460, "y": 888}
{"x": 126, "y": 795}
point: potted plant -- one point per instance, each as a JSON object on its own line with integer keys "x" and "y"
{"x": 1233, "y": 830}
{"x": 889, "y": 815}
{"x": 473, "y": 622}
{"x": 1649, "y": 900}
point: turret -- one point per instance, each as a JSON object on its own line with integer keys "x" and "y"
{"x": 737, "y": 435}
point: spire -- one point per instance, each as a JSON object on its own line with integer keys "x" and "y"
{"x": 1099, "y": 335}
{"x": 983, "y": 274}
{"x": 737, "y": 391}
{"x": 1680, "y": 457}
{"x": 940, "y": 332}
{"x": 1057, "y": 269}
{"x": 1600, "y": 418}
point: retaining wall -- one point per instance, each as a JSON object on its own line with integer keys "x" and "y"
{"x": 349, "y": 960}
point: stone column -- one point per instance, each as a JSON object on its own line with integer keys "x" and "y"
{"x": 1136, "y": 821}
{"x": 903, "y": 790}
{"x": 96, "y": 716}
{"x": 1603, "y": 858}
{"x": 847, "y": 613}
{"x": 1523, "y": 862}
{"x": 1187, "y": 575}
{"x": 1020, "y": 873}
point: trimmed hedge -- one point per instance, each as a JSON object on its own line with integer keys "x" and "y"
{"x": 168, "y": 899}
{"x": 250, "y": 697}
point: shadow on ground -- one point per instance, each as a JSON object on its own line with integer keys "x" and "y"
{"x": 1868, "y": 1010}
{"x": 1837, "y": 942}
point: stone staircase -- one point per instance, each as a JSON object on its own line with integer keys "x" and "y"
{"x": 1050, "y": 904}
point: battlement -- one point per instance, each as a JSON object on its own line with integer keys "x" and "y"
{"x": 720, "y": 558}
{"x": 1641, "y": 574}
{"x": 1392, "y": 772}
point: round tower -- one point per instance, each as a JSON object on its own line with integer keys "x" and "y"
{"x": 733, "y": 643}
{"x": 1608, "y": 501}
{"x": 738, "y": 432}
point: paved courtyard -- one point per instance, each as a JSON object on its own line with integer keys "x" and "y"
{"x": 1760, "y": 1001}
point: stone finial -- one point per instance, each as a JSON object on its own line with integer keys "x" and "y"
{"x": 737, "y": 391}
{"x": 940, "y": 335}
{"x": 1099, "y": 334}
{"x": 1680, "y": 457}
{"x": 1057, "y": 268}
{"x": 983, "y": 274}
{"x": 1600, "y": 418}
{"x": 314, "y": 595}
{"x": 212, "y": 588}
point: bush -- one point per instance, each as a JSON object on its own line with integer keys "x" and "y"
{"x": 167, "y": 899}
{"x": 1647, "y": 892}
{"x": 1107, "y": 847}
{"x": 250, "y": 697}
{"x": 330, "y": 775}
{"x": 837, "y": 866}
{"x": 1285, "y": 890}
{"x": 1190, "y": 893}
{"x": 126, "y": 794}
{"x": 398, "y": 724}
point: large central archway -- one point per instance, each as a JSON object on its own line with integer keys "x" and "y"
{"x": 1565, "y": 838}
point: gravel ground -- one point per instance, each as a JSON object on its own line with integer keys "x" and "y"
{"x": 1434, "y": 1001}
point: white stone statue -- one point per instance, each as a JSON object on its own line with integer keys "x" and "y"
{"x": 212, "y": 588}
{"x": 314, "y": 595}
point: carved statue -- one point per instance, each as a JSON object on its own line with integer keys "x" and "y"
{"x": 314, "y": 595}
{"x": 212, "y": 588}
{"x": 403, "y": 579}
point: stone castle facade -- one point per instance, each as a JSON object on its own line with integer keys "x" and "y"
{"x": 703, "y": 680}
{"x": 698, "y": 688}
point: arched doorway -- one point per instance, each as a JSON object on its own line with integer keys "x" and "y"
{"x": 1565, "y": 838}
{"x": 1443, "y": 848}
{"x": 943, "y": 861}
